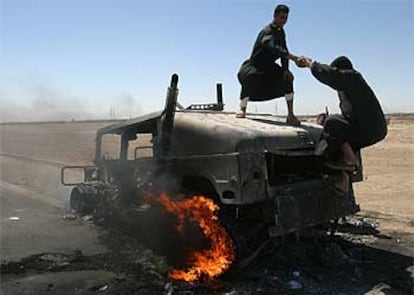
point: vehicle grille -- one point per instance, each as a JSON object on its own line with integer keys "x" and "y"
{"x": 283, "y": 170}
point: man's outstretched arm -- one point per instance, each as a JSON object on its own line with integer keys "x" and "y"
{"x": 326, "y": 74}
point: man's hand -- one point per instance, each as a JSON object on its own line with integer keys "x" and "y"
{"x": 300, "y": 62}
{"x": 288, "y": 76}
{"x": 303, "y": 62}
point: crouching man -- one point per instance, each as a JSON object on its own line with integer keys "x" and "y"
{"x": 362, "y": 122}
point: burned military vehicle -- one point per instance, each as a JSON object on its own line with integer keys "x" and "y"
{"x": 264, "y": 174}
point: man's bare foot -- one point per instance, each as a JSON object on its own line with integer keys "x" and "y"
{"x": 292, "y": 120}
{"x": 241, "y": 115}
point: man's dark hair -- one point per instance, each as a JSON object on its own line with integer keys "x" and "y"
{"x": 281, "y": 8}
{"x": 342, "y": 63}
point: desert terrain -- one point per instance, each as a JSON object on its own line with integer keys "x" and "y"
{"x": 34, "y": 204}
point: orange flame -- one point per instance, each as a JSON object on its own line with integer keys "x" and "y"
{"x": 208, "y": 262}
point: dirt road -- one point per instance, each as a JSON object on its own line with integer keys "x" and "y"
{"x": 30, "y": 225}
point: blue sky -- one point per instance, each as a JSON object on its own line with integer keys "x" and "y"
{"x": 77, "y": 59}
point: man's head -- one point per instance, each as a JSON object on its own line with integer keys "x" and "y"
{"x": 280, "y": 16}
{"x": 342, "y": 63}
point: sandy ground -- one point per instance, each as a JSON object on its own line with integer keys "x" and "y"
{"x": 31, "y": 156}
{"x": 388, "y": 186}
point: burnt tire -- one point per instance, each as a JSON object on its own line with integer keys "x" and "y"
{"x": 232, "y": 227}
{"x": 80, "y": 203}
{"x": 248, "y": 237}
{"x": 76, "y": 201}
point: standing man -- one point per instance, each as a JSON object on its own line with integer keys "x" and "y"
{"x": 260, "y": 77}
{"x": 362, "y": 122}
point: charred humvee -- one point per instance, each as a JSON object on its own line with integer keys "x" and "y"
{"x": 265, "y": 175}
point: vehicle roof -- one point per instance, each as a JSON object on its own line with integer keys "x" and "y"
{"x": 207, "y": 132}
{"x": 257, "y": 122}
